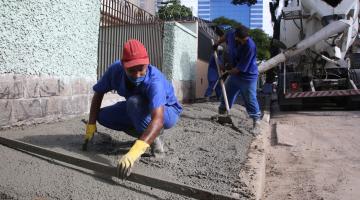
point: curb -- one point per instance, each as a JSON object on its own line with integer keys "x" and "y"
{"x": 267, "y": 109}
{"x": 253, "y": 171}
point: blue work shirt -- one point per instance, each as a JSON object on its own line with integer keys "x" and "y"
{"x": 246, "y": 60}
{"x": 212, "y": 69}
{"x": 155, "y": 87}
{"x": 231, "y": 46}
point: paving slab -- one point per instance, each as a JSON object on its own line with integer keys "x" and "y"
{"x": 285, "y": 134}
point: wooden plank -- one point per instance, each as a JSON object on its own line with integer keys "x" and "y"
{"x": 137, "y": 177}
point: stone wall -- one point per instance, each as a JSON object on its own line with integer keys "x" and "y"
{"x": 26, "y": 99}
{"x": 48, "y": 59}
{"x": 180, "y": 56}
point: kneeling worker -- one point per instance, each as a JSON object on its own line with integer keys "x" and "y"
{"x": 150, "y": 105}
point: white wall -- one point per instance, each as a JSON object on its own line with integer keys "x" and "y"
{"x": 46, "y": 37}
{"x": 179, "y": 59}
{"x": 267, "y": 25}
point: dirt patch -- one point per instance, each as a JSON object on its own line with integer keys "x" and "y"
{"x": 200, "y": 153}
{"x": 322, "y": 163}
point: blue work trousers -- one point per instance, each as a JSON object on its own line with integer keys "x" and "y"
{"x": 236, "y": 86}
{"x": 209, "y": 90}
{"x": 134, "y": 113}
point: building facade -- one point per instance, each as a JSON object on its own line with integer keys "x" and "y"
{"x": 256, "y": 15}
{"x": 148, "y": 5}
{"x": 204, "y": 9}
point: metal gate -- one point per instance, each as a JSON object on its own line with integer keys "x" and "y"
{"x": 205, "y": 35}
{"x": 121, "y": 20}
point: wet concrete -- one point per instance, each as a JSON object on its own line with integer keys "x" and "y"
{"x": 200, "y": 153}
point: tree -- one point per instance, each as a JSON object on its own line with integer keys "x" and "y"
{"x": 223, "y": 21}
{"x": 241, "y": 2}
{"x": 262, "y": 41}
{"x": 175, "y": 11}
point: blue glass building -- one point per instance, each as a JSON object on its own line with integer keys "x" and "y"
{"x": 251, "y": 17}
{"x": 256, "y": 15}
{"x": 204, "y": 9}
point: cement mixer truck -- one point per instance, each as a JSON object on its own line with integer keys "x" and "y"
{"x": 317, "y": 57}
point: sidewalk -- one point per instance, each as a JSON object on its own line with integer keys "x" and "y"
{"x": 200, "y": 153}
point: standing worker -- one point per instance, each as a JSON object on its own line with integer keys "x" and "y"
{"x": 213, "y": 76}
{"x": 150, "y": 105}
{"x": 243, "y": 74}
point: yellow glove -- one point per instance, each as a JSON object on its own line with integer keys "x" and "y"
{"x": 90, "y": 130}
{"x": 127, "y": 161}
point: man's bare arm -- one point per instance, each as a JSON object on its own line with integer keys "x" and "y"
{"x": 156, "y": 124}
{"x": 234, "y": 71}
{"x": 95, "y": 107}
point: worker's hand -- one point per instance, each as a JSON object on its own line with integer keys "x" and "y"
{"x": 224, "y": 75}
{"x": 222, "y": 67}
{"x": 228, "y": 66}
{"x": 127, "y": 161}
{"x": 90, "y": 130}
{"x": 215, "y": 46}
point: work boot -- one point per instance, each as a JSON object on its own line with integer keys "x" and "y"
{"x": 157, "y": 147}
{"x": 256, "y": 127}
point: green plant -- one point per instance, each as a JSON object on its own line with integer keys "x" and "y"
{"x": 262, "y": 41}
{"x": 241, "y": 2}
{"x": 221, "y": 21}
{"x": 175, "y": 11}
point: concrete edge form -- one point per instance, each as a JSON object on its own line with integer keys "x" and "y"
{"x": 253, "y": 171}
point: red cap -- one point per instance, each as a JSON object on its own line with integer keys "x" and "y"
{"x": 134, "y": 53}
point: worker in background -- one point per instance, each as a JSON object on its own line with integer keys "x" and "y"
{"x": 150, "y": 105}
{"x": 213, "y": 76}
{"x": 243, "y": 72}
